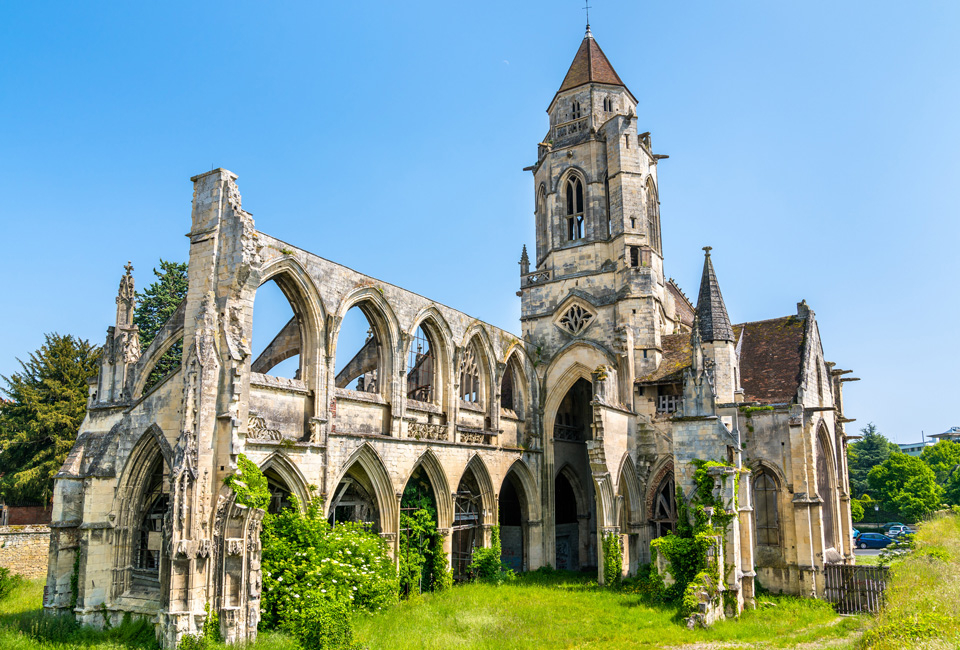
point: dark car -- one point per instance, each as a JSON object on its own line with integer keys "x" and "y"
{"x": 873, "y": 540}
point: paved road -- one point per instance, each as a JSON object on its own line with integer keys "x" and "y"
{"x": 866, "y": 551}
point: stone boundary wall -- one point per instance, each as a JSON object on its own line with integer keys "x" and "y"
{"x": 25, "y": 550}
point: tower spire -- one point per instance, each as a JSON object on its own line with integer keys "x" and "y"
{"x": 713, "y": 323}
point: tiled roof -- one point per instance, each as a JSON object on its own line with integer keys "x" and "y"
{"x": 685, "y": 308}
{"x": 771, "y": 357}
{"x": 590, "y": 65}
{"x": 677, "y": 356}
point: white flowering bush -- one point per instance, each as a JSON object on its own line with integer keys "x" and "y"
{"x": 311, "y": 569}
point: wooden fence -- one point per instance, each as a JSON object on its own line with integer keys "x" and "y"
{"x": 855, "y": 589}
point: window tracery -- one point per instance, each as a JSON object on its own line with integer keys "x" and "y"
{"x": 421, "y": 368}
{"x": 576, "y": 319}
{"x": 470, "y": 376}
{"x": 653, "y": 217}
{"x": 765, "y": 506}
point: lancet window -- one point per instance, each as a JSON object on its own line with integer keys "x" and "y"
{"x": 765, "y": 506}
{"x": 574, "y": 192}
{"x": 470, "y": 375}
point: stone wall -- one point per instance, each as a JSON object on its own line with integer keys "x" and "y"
{"x": 25, "y": 550}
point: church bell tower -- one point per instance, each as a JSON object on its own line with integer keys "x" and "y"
{"x": 598, "y": 267}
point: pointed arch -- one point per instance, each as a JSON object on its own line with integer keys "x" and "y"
{"x": 382, "y": 318}
{"x": 440, "y": 340}
{"x": 528, "y": 484}
{"x": 441, "y": 486}
{"x": 309, "y": 313}
{"x": 826, "y": 472}
{"x": 653, "y": 215}
{"x": 579, "y": 492}
{"x": 296, "y": 482}
{"x": 166, "y": 338}
{"x": 487, "y": 494}
{"x": 477, "y": 348}
{"x": 628, "y": 487}
{"x": 367, "y": 459}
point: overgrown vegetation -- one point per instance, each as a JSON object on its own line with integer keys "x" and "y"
{"x": 487, "y": 564}
{"x": 315, "y": 574}
{"x": 922, "y": 602}
{"x": 249, "y": 484}
{"x": 423, "y": 564}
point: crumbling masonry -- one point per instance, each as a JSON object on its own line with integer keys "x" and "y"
{"x": 585, "y": 426}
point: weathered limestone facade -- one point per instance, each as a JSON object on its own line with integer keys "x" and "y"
{"x": 583, "y": 427}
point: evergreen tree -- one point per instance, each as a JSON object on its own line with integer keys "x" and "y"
{"x": 155, "y": 305}
{"x": 864, "y": 455}
{"x": 39, "y": 420}
{"x": 905, "y": 484}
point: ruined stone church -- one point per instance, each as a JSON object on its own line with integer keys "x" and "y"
{"x": 583, "y": 425}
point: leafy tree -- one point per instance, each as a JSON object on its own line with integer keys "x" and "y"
{"x": 39, "y": 423}
{"x": 906, "y": 484}
{"x": 155, "y": 305}
{"x": 864, "y": 455}
{"x": 943, "y": 458}
{"x": 856, "y": 510}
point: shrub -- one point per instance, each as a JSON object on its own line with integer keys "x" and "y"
{"x": 320, "y": 624}
{"x": 306, "y": 560}
{"x": 8, "y": 582}
{"x": 612, "y": 560}
{"x": 487, "y": 563}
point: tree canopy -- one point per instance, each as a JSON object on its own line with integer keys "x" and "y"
{"x": 943, "y": 458}
{"x": 906, "y": 484}
{"x": 40, "y": 422}
{"x": 864, "y": 455}
{"x": 155, "y": 305}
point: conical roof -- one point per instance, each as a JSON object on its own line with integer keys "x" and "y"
{"x": 590, "y": 65}
{"x": 713, "y": 321}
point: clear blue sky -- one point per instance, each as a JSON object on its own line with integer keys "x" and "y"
{"x": 814, "y": 145}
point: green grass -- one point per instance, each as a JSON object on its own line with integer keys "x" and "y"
{"x": 569, "y": 611}
{"x": 922, "y": 604}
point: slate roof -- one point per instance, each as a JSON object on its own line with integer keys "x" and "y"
{"x": 712, "y": 313}
{"x": 590, "y": 65}
{"x": 771, "y": 358}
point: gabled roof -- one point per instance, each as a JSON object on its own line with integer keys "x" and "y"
{"x": 712, "y": 313}
{"x": 685, "y": 309}
{"x": 590, "y": 65}
{"x": 771, "y": 359}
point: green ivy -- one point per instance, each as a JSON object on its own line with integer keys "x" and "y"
{"x": 249, "y": 484}
{"x": 612, "y": 559}
{"x": 487, "y": 563}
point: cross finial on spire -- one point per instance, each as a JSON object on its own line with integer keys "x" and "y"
{"x": 586, "y": 7}
{"x": 129, "y": 267}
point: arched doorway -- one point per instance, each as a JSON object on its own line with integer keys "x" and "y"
{"x": 418, "y": 532}
{"x": 663, "y": 513}
{"x": 575, "y": 512}
{"x": 467, "y": 523}
{"x": 355, "y": 500}
{"x": 280, "y": 494}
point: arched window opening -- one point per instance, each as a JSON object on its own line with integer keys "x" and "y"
{"x": 470, "y": 388}
{"x": 765, "y": 495}
{"x": 512, "y": 504}
{"x": 574, "y": 192}
{"x": 150, "y": 528}
{"x": 354, "y": 500}
{"x": 421, "y": 368}
{"x": 418, "y": 531}
{"x": 280, "y": 496}
{"x": 607, "y": 104}
{"x": 575, "y": 415}
{"x": 467, "y": 524}
{"x": 653, "y": 217}
{"x": 168, "y": 364}
{"x": 507, "y": 400}
{"x": 357, "y": 366}
{"x": 634, "y": 256}
{"x": 825, "y": 490}
{"x": 575, "y": 112}
{"x": 276, "y": 334}
{"x": 664, "y": 515}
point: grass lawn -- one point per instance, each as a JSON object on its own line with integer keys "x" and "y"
{"x": 569, "y": 611}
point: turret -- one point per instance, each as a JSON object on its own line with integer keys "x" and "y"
{"x": 715, "y": 333}
{"x": 122, "y": 347}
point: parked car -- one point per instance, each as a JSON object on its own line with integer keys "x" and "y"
{"x": 873, "y": 540}
{"x": 898, "y": 530}
{"x": 856, "y": 533}
{"x": 890, "y": 524}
